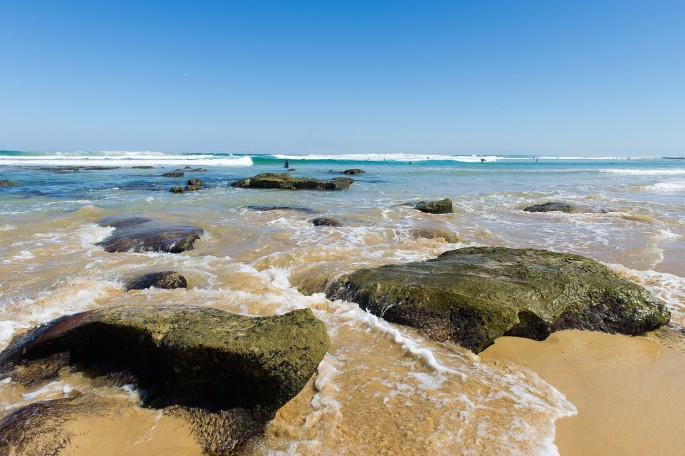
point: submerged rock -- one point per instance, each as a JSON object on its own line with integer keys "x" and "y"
{"x": 354, "y": 171}
{"x": 142, "y": 234}
{"x": 173, "y": 174}
{"x": 326, "y": 221}
{"x": 555, "y": 206}
{"x": 285, "y": 181}
{"x": 142, "y": 167}
{"x": 472, "y": 296}
{"x": 225, "y": 373}
{"x": 8, "y": 183}
{"x": 428, "y": 232}
{"x": 176, "y": 189}
{"x": 304, "y": 210}
{"x": 199, "y": 170}
{"x": 165, "y": 279}
{"x": 443, "y": 206}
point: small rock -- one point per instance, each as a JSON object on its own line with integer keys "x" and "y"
{"x": 326, "y": 221}
{"x": 555, "y": 206}
{"x": 8, "y": 183}
{"x": 167, "y": 280}
{"x": 285, "y": 181}
{"x": 177, "y": 189}
{"x": 443, "y": 206}
{"x": 200, "y": 170}
{"x": 354, "y": 171}
{"x": 173, "y": 174}
{"x": 142, "y": 167}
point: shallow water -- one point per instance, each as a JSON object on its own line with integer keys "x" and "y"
{"x": 382, "y": 388}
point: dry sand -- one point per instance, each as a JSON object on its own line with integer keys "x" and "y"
{"x": 629, "y": 391}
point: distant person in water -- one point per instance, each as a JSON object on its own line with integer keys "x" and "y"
{"x": 482, "y": 160}
{"x": 286, "y": 164}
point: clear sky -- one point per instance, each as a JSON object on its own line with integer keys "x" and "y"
{"x": 569, "y": 77}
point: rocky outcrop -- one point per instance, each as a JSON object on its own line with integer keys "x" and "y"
{"x": 223, "y": 372}
{"x": 472, "y": 296}
{"x": 165, "y": 279}
{"x": 173, "y": 174}
{"x": 285, "y": 181}
{"x": 326, "y": 221}
{"x": 443, "y": 206}
{"x": 142, "y": 234}
{"x": 8, "y": 183}
{"x": 142, "y": 167}
{"x": 556, "y": 206}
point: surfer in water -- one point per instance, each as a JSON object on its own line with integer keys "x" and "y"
{"x": 286, "y": 164}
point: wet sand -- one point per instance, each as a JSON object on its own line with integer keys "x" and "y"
{"x": 629, "y": 391}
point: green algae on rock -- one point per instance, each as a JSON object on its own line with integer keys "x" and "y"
{"x": 472, "y": 296}
{"x": 443, "y": 206}
{"x": 187, "y": 355}
{"x": 285, "y": 181}
{"x": 165, "y": 279}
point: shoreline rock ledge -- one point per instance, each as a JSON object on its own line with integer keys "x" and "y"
{"x": 227, "y": 374}
{"x": 285, "y": 181}
{"x": 474, "y": 295}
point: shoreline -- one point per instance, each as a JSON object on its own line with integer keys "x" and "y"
{"x": 629, "y": 396}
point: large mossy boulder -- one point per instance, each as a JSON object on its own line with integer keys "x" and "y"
{"x": 226, "y": 374}
{"x": 474, "y": 295}
{"x": 285, "y": 181}
{"x": 143, "y": 234}
{"x": 187, "y": 355}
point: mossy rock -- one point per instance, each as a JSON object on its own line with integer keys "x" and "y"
{"x": 8, "y": 183}
{"x": 474, "y": 295}
{"x": 173, "y": 174}
{"x": 326, "y": 221}
{"x": 285, "y": 181}
{"x": 443, "y": 206}
{"x": 166, "y": 279}
{"x": 143, "y": 234}
{"x": 187, "y": 355}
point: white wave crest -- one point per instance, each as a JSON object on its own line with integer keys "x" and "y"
{"x": 392, "y": 157}
{"x": 124, "y": 159}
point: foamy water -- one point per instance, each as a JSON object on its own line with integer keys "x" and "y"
{"x": 381, "y": 387}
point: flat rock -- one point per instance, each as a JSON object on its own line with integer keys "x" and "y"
{"x": 556, "y": 206}
{"x": 304, "y": 210}
{"x": 8, "y": 183}
{"x": 428, "y": 232}
{"x": 173, "y": 174}
{"x": 143, "y": 234}
{"x": 443, "y": 206}
{"x": 472, "y": 296}
{"x": 285, "y": 181}
{"x": 165, "y": 279}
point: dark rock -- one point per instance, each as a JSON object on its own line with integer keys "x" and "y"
{"x": 304, "y": 210}
{"x": 142, "y": 234}
{"x": 354, "y": 171}
{"x": 142, "y": 167}
{"x": 166, "y": 279}
{"x": 176, "y": 189}
{"x": 200, "y": 170}
{"x": 186, "y": 355}
{"x": 173, "y": 174}
{"x": 287, "y": 182}
{"x": 443, "y": 206}
{"x": 472, "y": 296}
{"x": 326, "y": 221}
{"x": 555, "y": 207}
{"x": 8, "y": 183}
{"x": 195, "y": 183}
{"x": 187, "y": 167}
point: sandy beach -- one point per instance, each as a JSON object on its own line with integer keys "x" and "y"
{"x": 628, "y": 390}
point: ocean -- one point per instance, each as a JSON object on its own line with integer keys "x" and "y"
{"x": 382, "y": 388}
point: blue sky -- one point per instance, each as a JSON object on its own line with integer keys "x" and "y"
{"x": 477, "y": 76}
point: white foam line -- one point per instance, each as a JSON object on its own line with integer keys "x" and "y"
{"x": 206, "y": 160}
